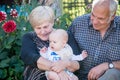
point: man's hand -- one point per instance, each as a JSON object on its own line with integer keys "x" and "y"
{"x": 97, "y": 71}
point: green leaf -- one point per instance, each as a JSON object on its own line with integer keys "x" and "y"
{"x": 11, "y": 71}
{"x": 19, "y": 68}
{"x": 13, "y": 60}
{"x": 3, "y": 55}
{"x": 3, "y": 73}
{"x": 4, "y": 63}
{"x": 11, "y": 39}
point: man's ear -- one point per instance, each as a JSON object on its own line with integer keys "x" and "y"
{"x": 113, "y": 16}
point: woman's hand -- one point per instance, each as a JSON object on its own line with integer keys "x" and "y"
{"x": 65, "y": 64}
{"x": 64, "y": 76}
{"x": 44, "y": 64}
{"x": 97, "y": 71}
{"x": 59, "y": 66}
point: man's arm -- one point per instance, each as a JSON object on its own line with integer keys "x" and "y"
{"x": 98, "y": 70}
{"x": 116, "y": 64}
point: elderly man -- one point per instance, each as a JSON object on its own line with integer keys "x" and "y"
{"x": 99, "y": 34}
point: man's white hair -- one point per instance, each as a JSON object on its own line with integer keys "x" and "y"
{"x": 113, "y": 4}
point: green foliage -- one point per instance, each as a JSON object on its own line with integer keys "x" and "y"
{"x": 118, "y": 11}
{"x": 63, "y": 21}
{"x": 11, "y": 66}
{"x": 10, "y": 44}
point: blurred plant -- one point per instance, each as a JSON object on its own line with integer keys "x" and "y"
{"x": 14, "y": 13}
{"x": 63, "y": 21}
{"x": 12, "y": 27}
{"x": 88, "y": 8}
{"x": 118, "y": 10}
{"x": 9, "y": 26}
{"x": 3, "y": 16}
{"x": 13, "y": 24}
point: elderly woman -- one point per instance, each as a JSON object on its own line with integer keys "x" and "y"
{"x": 42, "y": 20}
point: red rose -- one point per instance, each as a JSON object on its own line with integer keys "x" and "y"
{"x": 9, "y": 26}
{"x": 14, "y": 13}
{"x": 3, "y": 16}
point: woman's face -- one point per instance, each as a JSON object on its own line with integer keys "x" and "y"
{"x": 44, "y": 30}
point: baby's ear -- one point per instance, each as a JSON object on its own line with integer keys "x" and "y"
{"x": 64, "y": 43}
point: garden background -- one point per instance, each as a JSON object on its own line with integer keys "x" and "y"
{"x": 15, "y": 23}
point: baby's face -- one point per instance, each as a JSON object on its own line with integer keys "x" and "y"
{"x": 56, "y": 43}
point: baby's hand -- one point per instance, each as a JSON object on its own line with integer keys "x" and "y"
{"x": 84, "y": 54}
{"x": 80, "y": 57}
{"x": 43, "y": 50}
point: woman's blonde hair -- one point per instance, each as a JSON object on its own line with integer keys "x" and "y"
{"x": 41, "y": 14}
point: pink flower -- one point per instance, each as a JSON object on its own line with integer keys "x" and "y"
{"x": 9, "y": 26}
{"x": 14, "y": 13}
{"x": 3, "y": 16}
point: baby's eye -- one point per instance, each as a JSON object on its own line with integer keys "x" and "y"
{"x": 45, "y": 26}
{"x": 38, "y": 28}
{"x": 54, "y": 41}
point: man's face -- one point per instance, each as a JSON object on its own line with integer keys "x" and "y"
{"x": 100, "y": 18}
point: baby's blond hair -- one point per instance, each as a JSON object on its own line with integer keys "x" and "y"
{"x": 61, "y": 33}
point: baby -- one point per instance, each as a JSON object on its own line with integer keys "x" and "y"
{"x": 59, "y": 50}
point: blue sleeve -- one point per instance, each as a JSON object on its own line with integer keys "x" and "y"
{"x": 29, "y": 51}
